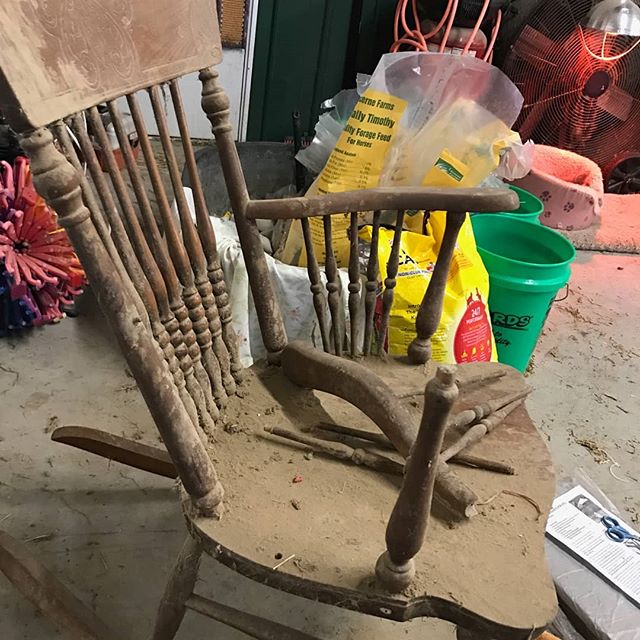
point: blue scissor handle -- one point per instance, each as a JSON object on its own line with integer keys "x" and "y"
{"x": 614, "y": 531}
{"x": 617, "y": 534}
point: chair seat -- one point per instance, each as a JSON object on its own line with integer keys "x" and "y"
{"x": 488, "y": 573}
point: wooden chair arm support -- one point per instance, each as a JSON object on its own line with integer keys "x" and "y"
{"x": 313, "y": 369}
{"x": 382, "y": 198}
{"x": 410, "y": 516}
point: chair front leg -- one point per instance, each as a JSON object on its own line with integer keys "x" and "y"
{"x": 430, "y": 310}
{"x": 409, "y": 519}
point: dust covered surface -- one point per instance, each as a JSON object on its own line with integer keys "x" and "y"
{"x": 331, "y": 516}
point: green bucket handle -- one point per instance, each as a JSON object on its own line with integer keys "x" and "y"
{"x": 566, "y": 295}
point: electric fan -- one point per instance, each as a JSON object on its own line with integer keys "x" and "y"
{"x": 581, "y": 84}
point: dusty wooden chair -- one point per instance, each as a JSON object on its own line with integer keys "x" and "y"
{"x": 159, "y": 281}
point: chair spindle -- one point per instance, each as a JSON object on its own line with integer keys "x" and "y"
{"x": 390, "y": 282}
{"x": 182, "y": 375}
{"x": 199, "y": 277}
{"x": 371, "y": 286}
{"x": 354, "y": 283}
{"x": 430, "y": 311}
{"x": 207, "y": 237}
{"x": 317, "y": 288}
{"x": 61, "y": 133}
{"x": 163, "y": 278}
{"x": 333, "y": 288}
{"x": 176, "y": 254}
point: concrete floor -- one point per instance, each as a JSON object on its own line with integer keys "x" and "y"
{"x": 111, "y": 533}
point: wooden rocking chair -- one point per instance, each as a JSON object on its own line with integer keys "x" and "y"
{"x": 350, "y": 531}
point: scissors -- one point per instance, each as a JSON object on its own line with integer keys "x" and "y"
{"x": 618, "y": 533}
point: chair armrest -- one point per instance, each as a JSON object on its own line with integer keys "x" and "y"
{"x": 382, "y": 198}
{"x": 311, "y": 368}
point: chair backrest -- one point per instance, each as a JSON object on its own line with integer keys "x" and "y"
{"x": 157, "y": 277}
{"x": 61, "y": 57}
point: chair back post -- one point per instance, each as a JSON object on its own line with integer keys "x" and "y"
{"x": 59, "y": 184}
{"x": 215, "y": 104}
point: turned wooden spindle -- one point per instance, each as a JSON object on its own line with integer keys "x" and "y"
{"x": 333, "y": 288}
{"x": 177, "y": 253}
{"x": 199, "y": 278}
{"x": 354, "y": 283}
{"x": 215, "y": 104}
{"x": 390, "y": 282}
{"x": 208, "y": 240}
{"x": 476, "y": 432}
{"x": 430, "y": 311}
{"x": 160, "y": 273}
{"x": 317, "y": 288}
{"x": 371, "y": 286}
{"x": 130, "y": 272}
{"x": 485, "y": 409}
{"x": 133, "y": 275}
{"x": 59, "y": 184}
{"x": 155, "y": 260}
{"x": 410, "y": 516}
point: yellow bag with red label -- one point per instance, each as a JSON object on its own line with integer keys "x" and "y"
{"x": 464, "y": 333}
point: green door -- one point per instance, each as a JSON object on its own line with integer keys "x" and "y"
{"x": 305, "y": 52}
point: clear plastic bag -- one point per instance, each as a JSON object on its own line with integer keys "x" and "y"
{"x": 423, "y": 119}
{"x": 336, "y": 112}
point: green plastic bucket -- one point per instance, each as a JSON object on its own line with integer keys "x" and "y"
{"x": 527, "y": 264}
{"x": 530, "y": 207}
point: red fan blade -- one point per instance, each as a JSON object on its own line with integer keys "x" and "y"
{"x": 617, "y": 102}
{"x": 535, "y": 47}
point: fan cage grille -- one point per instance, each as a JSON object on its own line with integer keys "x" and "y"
{"x": 580, "y": 86}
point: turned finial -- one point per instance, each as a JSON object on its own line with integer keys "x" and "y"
{"x": 215, "y": 102}
{"x": 54, "y": 177}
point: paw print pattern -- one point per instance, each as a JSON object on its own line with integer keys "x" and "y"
{"x": 547, "y": 214}
{"x": 568, "y": 207}
{"x": 545, "y": 196}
